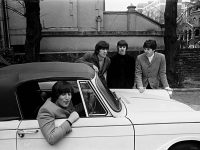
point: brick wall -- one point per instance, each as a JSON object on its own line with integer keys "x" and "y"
{"x": 188, "y": 67}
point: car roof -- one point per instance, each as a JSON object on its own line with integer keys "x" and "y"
{"x": 40, "y": 70}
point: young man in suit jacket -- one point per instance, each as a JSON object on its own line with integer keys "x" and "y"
{"x": 98, "y": 60}
{"x": 150, "y": 68}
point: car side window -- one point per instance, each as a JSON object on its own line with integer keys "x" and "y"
{"x": 33, "y": 94}
{"x": 9, "y": 109}
{"x": 29, "y": 98}
{"x": 46, "y": 88}
{"x": 93, "y": 105}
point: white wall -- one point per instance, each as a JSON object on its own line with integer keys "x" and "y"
{"x": 115, "y": 21}
{"x": 76, "y": 44}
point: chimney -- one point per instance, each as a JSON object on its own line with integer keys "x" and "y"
{"x": 131, "y": 8}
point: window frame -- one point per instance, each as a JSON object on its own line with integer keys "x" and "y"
{"x": 108, "y": 96}
{"x": 79, "y": 82}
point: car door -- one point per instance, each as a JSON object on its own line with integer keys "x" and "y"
{"x": 87, "y": 133}
{"x": 98, "y": 129}
{"x": 9, "y": 115}
{"x": 8, "y": 131}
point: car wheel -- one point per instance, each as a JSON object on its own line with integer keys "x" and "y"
{"x": 186, "y": 146}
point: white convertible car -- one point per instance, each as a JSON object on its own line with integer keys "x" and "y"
{"x": 119, "y": 119}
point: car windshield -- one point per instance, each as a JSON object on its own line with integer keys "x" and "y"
{"x": 113, "y": 101}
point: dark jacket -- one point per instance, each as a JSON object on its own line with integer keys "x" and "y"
{"x": 121, "y": 72}
{"x": 151, "y": 73}
{"x": 92, "y": 59}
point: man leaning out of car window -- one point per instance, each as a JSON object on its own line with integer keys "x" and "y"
{"x": 58, "y": 106}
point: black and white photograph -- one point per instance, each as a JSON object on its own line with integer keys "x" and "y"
{"x": 100, "y": 74}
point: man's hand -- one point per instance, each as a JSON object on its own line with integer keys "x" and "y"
{"x": 168, "y": 89}
{"x": 73, "y": 117}
{"x": 141, "y": 89}
{"x": 95, "y": 68}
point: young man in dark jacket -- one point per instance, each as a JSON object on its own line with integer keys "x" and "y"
{"x": 98, "y": 60}
{"x": 122, "y": 68}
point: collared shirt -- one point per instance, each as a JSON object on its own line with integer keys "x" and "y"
{"x": 150, "y": 58}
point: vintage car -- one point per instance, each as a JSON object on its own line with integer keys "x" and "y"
{"x": 119, "y": 119}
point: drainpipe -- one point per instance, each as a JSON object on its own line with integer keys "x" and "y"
{"x": 98, "y": 20}
{"x": 6, "y": 36}
{"x": 2, "y": 42}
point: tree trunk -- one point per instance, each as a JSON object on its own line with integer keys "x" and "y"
{"x": 170, "y": 40}
{"x": 33, "y": 30}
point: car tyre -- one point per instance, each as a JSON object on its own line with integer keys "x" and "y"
{"x": 186, "y": 146}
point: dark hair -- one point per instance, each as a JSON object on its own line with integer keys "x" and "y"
{"x": 150, "y": 44}
{"x": 122, "y": 43}
{"x": 101, "y": 45}
{"x": 59, "y": 88}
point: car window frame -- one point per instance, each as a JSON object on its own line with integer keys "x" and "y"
{"x": 97, "y": 96}
{"x": 106, "y": 91}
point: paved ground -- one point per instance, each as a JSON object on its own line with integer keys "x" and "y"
{"x": 190, "y": 96}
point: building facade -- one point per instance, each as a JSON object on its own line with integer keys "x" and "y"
{"x": 77, "y": 25}
{"x": 188, "y": 29}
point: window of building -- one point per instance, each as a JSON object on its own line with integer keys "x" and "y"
{"x": 185, "y": 35}
{"x": 181, "y": 38}
{"x": 196, "y": 32}
{"x": 194, "y": 20}
{"x": 189, "y": 34}
{"x": 199, "y": 22}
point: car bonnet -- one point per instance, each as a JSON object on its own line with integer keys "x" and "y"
{"x": 155, "y": 106}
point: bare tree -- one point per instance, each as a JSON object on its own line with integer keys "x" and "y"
{"x": 30, "y": 10}
{"x": 170, "y": 40}
{"x": 33, "y": 30}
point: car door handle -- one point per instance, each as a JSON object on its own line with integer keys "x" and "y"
{"x": 21, "y": 133}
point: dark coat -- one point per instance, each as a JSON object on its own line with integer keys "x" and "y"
{"x": 121, "y": 72}
{"x": 152, "y": 73}
{"x": 92, "y": 59}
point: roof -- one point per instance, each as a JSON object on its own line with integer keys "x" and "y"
{"x": 137, "y": 13}
{"x": 40, "y": 70}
